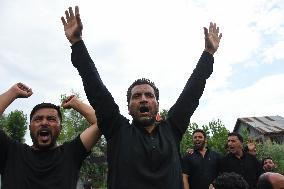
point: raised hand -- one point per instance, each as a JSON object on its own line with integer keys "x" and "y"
{"x": 69, "y": 102}
{"x": 72, "y": 25}
{"x": 212, "y": 38}
{"x": 251, "y": 147}
{"x": 21, "y": 90}
{"x": 18, "y": 90}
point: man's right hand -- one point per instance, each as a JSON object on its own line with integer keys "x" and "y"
{"x": 70, "y": 102}
{"x": 72, "y": 25}
{"x": 21, "y": 90}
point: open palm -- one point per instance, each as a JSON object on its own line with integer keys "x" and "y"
{"x": 72, "y": 25}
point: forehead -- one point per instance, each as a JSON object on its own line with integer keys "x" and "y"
{"x": 142, "y": 89}
{"x": 198, "y": 134}
{"x": 268, "y": 160}
{"x": 234, "y": 138}
{"x": 46, "y": 112}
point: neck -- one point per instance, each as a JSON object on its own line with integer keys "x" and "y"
{"x": 150, "y": 128}
{"x": 203, "y": 151}
{"x": 239, "y": 154}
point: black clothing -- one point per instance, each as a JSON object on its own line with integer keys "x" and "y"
{"x": 201, "y": 170}
{"x": 23, "y": 167}
{"x": 136, "y": 158}
{"x": 247, "y": 166}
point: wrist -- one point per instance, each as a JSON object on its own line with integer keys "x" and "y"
{"x": 210, "y": 51}
{"x": 12, "y": 94}
{"x": 74, "y": 40}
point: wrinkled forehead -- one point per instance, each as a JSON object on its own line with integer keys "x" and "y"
{"x": 45, "y": 112}
{"x": 143, "y": 88}
{"x": 233, "y": 138}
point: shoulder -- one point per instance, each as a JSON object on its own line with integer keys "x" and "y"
{"x": 214, "y": 153}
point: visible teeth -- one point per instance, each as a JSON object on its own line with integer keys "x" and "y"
{"x": 44, "y": 133}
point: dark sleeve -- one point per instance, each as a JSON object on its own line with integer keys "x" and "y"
{"x": 180, "y": 113}
{"x": 258, "y": 167}
{"x": 219, "y": 163}
{"x": 185, "y": 165}
{"x": 5, "y": 141}
{"x": 98, "y": 95}
{"x": 77, "y": 150}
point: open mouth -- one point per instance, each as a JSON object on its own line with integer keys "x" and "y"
{"x": 44, "y": 135}
{"x": 144, "y": 109}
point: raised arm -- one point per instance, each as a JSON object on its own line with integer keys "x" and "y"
{"x": 72, "y": 25}
{"x": 180, "y": 113}
{"x": 18, "y": 90}
{"x": 98, "y": 95}
{"x": 91, "y": 135}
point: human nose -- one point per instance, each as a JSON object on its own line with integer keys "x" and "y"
{"x": 44, "y": 121}
{"x": 143, "y": 98}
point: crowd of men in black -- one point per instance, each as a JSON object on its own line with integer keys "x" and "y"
{"x": 142, "y": 154}
{"x": 238, "y": 169}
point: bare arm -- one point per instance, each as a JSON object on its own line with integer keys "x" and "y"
{"x": 18, "y": 90}
{"x": 91, "y": 135}
{"x": 185, "y": 181}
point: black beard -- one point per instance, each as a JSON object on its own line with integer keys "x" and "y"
{"x": 35, "y": 142}
{"x": 144, "y": 123}
{"x": 199, "y": 147}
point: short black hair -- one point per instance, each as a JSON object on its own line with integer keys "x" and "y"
{"x": 263, "y": 182}
{"x": 200, "y": 131}
{"x": 266, "y": 158}
{"x": 46, "y": 105}
{"x": 237, "y": 135}
{"x": 142, "y": 81}
{"x": 230, "y": 181}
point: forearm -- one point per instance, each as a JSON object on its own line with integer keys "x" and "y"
{"x": 98, "y": 95}
{"x": 86, "y": 111}
{"x": 185, "y": 182}
{"x": 96, "y": 92}
{"x": 90, "y": 136}
{"x": 188, "y": 100}
{"x": 5, "y": 100}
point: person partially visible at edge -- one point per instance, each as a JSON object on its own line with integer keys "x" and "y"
{"x": 144, "y": 153}
{"x": 241, "y": 162}
{"x": 200, "y": 167}
{"x": 229, "y": 181}
{"x": 268, "y": 164}
{"x": 44, "y": 164}
{"x": 270, "y": 180}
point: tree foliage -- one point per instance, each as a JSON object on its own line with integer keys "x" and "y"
{"x": 273, "y": 150}
{"x": 216, "y": 136}
{"x": 94, "y": 168}
{"x": 15, "y": 125}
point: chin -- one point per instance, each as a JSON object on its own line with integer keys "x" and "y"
{"x": 145, "y": 122}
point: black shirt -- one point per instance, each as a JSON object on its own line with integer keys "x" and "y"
{"x": 23, "y": 167}
{"x": 201, "y": 170}
{"x": 247, "y": 166}
{"x": 136, "y": 158}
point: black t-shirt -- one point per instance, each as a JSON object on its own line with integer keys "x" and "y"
{"x": 136, "y": 158}
{"x": 201, "y": 170}
{"x": 247, "y": 166}
{"x": 22, "y": 167}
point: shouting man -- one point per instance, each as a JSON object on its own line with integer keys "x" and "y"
{"x": 144, "y": 153}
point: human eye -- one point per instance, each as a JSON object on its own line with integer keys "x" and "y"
{"x": 135, "y": 96}
{"x": 51, "y": 118}
{"x": 150, "y": 95}
{"x": 36, "y": 118}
